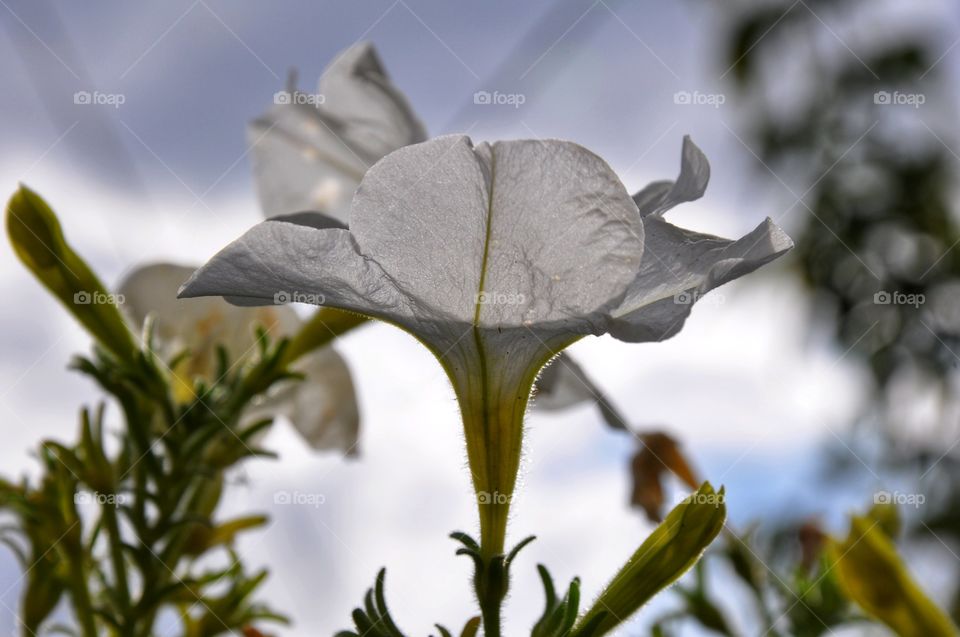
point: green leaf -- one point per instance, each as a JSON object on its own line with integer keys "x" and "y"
{"x": 664, "y": 556}
{"x": 41, "y": 595}
{"x": 39, "y": 243}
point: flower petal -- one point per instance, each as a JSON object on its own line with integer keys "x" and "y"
{"x": 280, "y": 260}
{"x": 375, "y": 118}
{"x": 324, "y": 406}
{"x": 509, "y": 235}
{"x": 679, "y": 266}
{"x": 660, "y": 196}
{"x": 563, "y": 384}
{"x": 309, "y": 157}
{"x": 195, "y": 323}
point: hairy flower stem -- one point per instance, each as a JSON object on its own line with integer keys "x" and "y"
{"x": 493, "y": 426}
{"x": 493, "y": 396}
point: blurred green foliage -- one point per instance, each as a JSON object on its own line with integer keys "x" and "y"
{"x": 123, "y": 524}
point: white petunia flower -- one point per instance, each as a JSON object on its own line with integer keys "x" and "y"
{"x": 322, "y": 407}
{"x": 496, "y": 257}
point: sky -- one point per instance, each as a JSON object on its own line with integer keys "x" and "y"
{"x": 751, "y": 389}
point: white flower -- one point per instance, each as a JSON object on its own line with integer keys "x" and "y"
{"x": 310, "y": 154}
{"x": 438, "y": 228}
{"x": 322, "y": 407}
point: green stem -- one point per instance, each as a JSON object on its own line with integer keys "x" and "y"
{"x": 325, "y": 325}
{"x": 80, "y": 595}
{"x": 116, "y": 556}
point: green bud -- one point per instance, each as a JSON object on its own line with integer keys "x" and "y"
{"x": 872, "y": 574}
{"x": 664, "y": 556}
{"x": 39, "y": 243}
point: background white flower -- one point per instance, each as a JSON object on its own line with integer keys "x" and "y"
{"x": 322, "y": 406}
{"x": 310, "y": 154}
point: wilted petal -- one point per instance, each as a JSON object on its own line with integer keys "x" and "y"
{"x": 658, "y": 455}
{"x": 660, "y": 196}
{"x": 680, "y": 266}
{"x": 563, "y": 384}
{"x": 312, "y": 157}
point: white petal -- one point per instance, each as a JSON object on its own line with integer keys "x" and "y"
{"x": 324, "y": 405}
{"x": 299, "y": 163}
{"x": 280, "y": 261}
{"x": 660, "y": 196}
{"x": 679, "y": 266}
{"x": 198, "y": 324}
{"x": 526, "y": 234}
{"x": 375, "y": 117}
{"x": 509, "y": 235}
{"x": 563, "y": 384}
{"x": 309, "y": 157}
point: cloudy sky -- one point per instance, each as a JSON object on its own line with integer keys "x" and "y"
{"x": 748, "y": 387}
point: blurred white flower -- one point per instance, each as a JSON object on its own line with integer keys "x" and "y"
{"x": 322, "y": 407}
{"x": 310, "y": 154}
